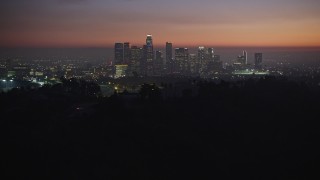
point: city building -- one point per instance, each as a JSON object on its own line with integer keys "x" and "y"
{"x": 194, "y": 65}
{"x": 158, "y": 64}
{"x": 149, "y": 56}
{"x": 241, "y": 61}
{"x": 118, "y": 53}
{"x": 215, "y": 66}
{"x": 126, "y": 53}
{"x": 181, "y": 60}
{"x": 258, "y": 60}
{"x": 169, "y": 64}
{"x": 245, "y": 56}
{"x": 135, "y": 61}
{"x": 205, "y": 56}
{"x": 120, "y": 71}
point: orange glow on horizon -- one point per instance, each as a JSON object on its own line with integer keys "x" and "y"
{"x": 189, "y": 39}
{"x": 280, "y": 23}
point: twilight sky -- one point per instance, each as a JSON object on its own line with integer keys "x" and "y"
{"x": 100, "y": 23}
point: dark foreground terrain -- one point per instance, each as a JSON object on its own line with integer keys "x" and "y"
{"x": 254, "y": 129}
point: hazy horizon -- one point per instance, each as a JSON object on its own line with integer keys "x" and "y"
{"x": 228, "y": 54}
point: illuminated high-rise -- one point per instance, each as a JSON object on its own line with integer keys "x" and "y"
{"x": 135, "y": 61}
{"x": 149, "y": 56}
{"x": 120, "y": 71}
{"x": 205, "y": 56}
{"x": 181, "y": 60}
{"x": 194, "y": 65}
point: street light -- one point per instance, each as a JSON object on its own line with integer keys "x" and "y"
{"x": 5, "y": 81}
{"x": 11, "y": 85}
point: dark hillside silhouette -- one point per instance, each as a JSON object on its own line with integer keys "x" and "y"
{"x": 253, "y": 129}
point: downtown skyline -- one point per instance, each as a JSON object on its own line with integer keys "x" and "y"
{"x": 81, "y": 23}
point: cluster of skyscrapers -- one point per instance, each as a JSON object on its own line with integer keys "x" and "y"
{"x": 145, "y": 61}
{"x": 242, "y": 60}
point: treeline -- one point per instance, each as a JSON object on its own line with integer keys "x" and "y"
{"x": 253, "y": 129}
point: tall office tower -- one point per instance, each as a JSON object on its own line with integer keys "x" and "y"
{"x": 258, "y": 60}
{"x": 181, "y": 60}
{"x": 215, "y": 66}
{"x": 149, "y": 56}
{"x": 126, "y": 53}
{"x": 201, "y": 54}
{"x": 194, "y": 65}
{"x": 245, "y": 56}
{"x": 202, "y": 59}
{"x": 135, "y": 61}
{"x": 118, "y": 53}
{"x": 169, "y": 64}
{"x": 158, "y": 64}
{"x": 205, "y": 56}
{"x": 143, "y": 62}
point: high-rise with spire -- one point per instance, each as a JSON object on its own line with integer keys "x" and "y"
{"x": 149, "y": 56}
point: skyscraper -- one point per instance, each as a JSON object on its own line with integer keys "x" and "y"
{"x": 158, "y": 64}
{"x": 118, "y": 53}
{"x": 194, "y": 65}
{"x": 126, "y": 53}
{"x": 245, "y": 56}
{"x": 181, "y": 60}
{"x": 201, "y": 54}
{"x": 135, "y": 61}
{"x": 205, "y": 56}
{"x": 215, "y": 66}
{"x": 258, "y": 60}
{"x": 149, "y": 56}
{"x": 143, "y": 63}
{"x": 169, "y": 60}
